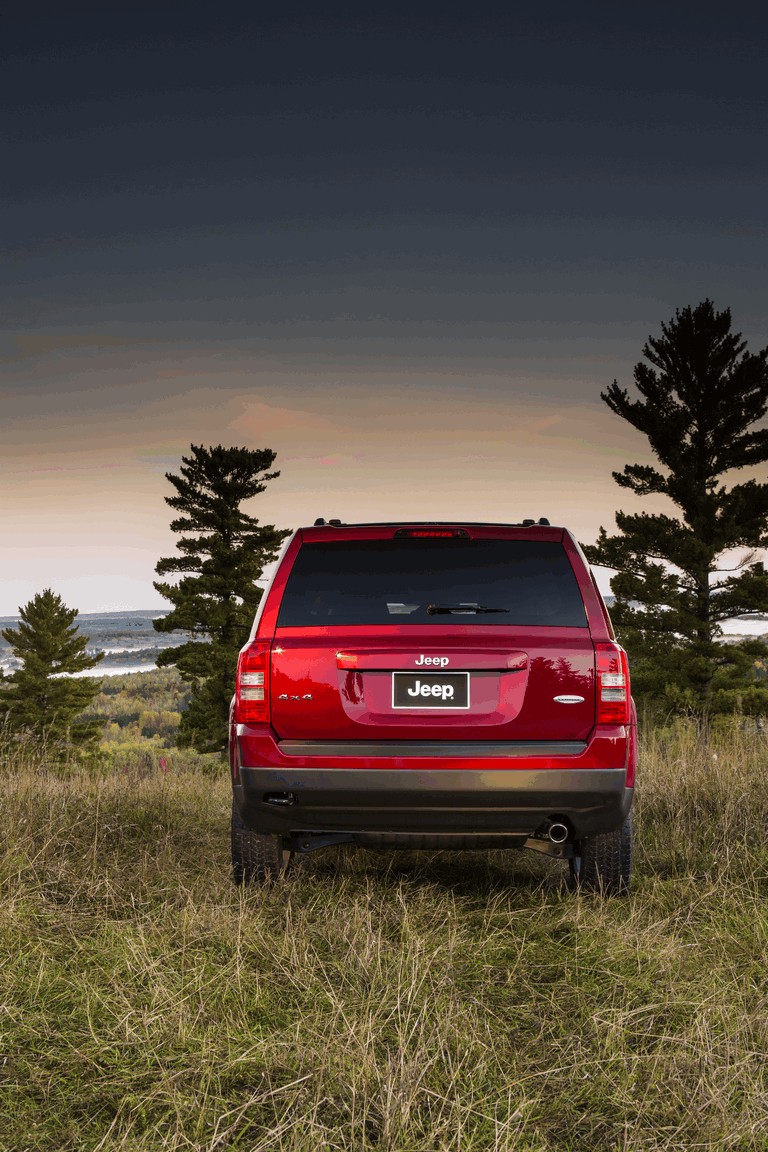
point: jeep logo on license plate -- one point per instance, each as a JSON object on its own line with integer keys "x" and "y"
{"x": 430, "y": 690}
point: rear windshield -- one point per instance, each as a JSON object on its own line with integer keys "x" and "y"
{"x": 432, "y": 582}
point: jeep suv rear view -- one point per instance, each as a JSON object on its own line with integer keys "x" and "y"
{"x": 433, "y": 686}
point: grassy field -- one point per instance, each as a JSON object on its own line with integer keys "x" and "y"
{"x": 380, "y": 1001}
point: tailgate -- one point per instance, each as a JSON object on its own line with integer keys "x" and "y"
{"x": 346, "y": 686}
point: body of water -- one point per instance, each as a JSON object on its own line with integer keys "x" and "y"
{"x": 127, "y": 639}
{"x": 745, "y": 626}
{"x": 114, "y": 670}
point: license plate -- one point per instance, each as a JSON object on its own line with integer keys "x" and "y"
{"x": 430, "y": 689}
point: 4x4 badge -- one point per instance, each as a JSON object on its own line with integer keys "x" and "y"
{"x": 285, "y": 696}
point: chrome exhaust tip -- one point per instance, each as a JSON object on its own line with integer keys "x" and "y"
{"x": 557, "y": 832}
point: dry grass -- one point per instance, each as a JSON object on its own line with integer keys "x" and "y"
{"x": 405, "y": 1002}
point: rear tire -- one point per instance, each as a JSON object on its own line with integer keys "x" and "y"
{"x": 606, "y": 861}
{"x": 257, "y": 857}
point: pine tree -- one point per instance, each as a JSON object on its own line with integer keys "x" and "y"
{"x": 217, "y": 595}
{"x": 36, "y": 698}
{"x": 702, "y": 395}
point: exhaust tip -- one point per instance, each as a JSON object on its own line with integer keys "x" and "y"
{"x": 557, "y": 832}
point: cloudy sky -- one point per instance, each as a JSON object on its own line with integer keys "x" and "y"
{"x": 405, "y": 253}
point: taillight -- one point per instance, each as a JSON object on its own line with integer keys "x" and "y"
{"x": 252, "y": 685}
{"x": 612, "y": 684}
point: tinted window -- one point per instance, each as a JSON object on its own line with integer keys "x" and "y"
{"x": 394, "y": 582}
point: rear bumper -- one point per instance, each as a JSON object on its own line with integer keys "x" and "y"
{"x": 398, "y": 794}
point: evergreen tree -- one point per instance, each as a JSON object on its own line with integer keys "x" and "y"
{"x": 36, "y": 698}
{"x": 701, "y": 396}
{"x": 216, "y": 596}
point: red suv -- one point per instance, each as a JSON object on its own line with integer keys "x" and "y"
{"x": 430, "y": 685}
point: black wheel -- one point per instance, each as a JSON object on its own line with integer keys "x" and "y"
{"x": 606, "y": 861}
{"x": 257, "y": 857}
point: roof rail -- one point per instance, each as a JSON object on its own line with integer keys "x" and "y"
{"x": 322, "y": 523}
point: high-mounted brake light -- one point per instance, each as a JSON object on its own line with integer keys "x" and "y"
{"x": 431, "y": 533}
{"x": 613, "y": 693}
{"x": 252, "y": 684}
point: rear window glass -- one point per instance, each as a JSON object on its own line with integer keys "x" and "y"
{"x": 432, "y": 582}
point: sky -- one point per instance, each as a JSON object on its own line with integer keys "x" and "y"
{"x": 406, "y": 252}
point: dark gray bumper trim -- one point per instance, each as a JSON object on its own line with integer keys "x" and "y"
{"x": 440, "y": 748}
{"x": 466, "y": 801}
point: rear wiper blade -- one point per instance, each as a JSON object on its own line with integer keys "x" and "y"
{"x": 446, "y": 609}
